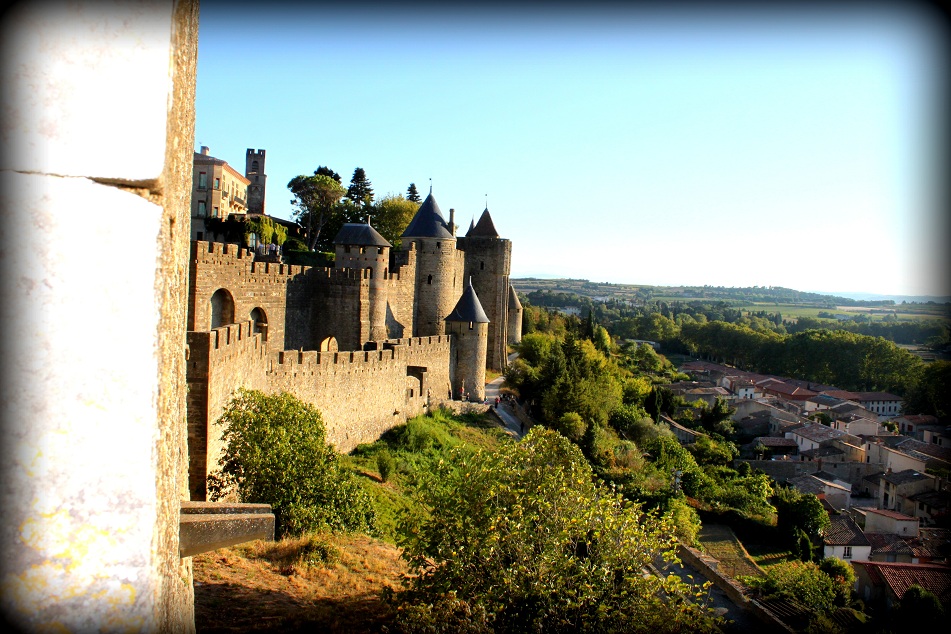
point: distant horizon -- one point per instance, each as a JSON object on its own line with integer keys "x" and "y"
{"x": 796, "y": 144}
{"x": 858, "y": 296}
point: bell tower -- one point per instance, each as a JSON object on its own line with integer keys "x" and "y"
{"x": 254, "y": 172}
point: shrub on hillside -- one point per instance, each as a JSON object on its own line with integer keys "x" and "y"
{"x": 275, "y": 452}
{"x": 802, "y": 581}
{"x": 571, "y": 426}
{"x": 527, "y": 536}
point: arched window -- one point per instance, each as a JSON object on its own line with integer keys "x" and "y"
{"x": 254, "y": 166}
{"x": 259, "y": 322}
{"x": 222, "y": 308}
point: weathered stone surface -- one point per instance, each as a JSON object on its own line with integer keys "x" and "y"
{"x": 91, "y": 89}
{"x": 93, "y": 462}
{"x": 208, "y": 526}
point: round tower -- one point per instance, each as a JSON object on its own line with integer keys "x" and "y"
{"x": 468, "y": 327}
{"x": 359, "y": 246}
{"x": 515, "y": 317}
{"x": 438, "y": 268}
{"x": 488, "y": 261}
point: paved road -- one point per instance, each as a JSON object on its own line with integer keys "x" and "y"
{"x": 739, "y": 619}
{"x": 509, "y": 420}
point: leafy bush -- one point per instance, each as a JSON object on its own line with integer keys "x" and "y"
{"x": 385, "y": 464}
{"x": 572, "y": 426}
{"x": 275, "y": 452}
{"x": 799, "y": 580}
{"x": 842, "y": 575}
{"x": 524, "y": 538}
{"x": 799, "y": 510}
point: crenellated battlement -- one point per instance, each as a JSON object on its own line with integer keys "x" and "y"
{"x": 223, "y": 340}
{"x": 392, "y": 350}
{"x": 222, "y": 254}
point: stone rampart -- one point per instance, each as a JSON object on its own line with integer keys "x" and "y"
{"x": 362, "y": 394}
{"x": 261, "y": 285}
{"x": 219, "y": 362}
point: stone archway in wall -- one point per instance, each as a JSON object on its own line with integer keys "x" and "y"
{"x": 259, "y": 322}
{"x": 222, "y": 308}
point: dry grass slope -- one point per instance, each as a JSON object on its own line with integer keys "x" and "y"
{"x": 325, "y": 583}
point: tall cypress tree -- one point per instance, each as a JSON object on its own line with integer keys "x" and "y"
{"x": 360, "y": 190}
{"x": 411, "y": 194}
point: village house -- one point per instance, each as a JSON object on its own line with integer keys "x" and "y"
{"x": 884, "y": 584}
{"x": 900, "y": 453}
{"x": 913, "y": 424}
{"x": 844, "y": 539}
{"x": 836, "y": 494}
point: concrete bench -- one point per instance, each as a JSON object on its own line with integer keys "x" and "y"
{"x": 205, "y": 526}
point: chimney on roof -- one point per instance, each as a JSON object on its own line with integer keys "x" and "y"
{"x": 452, "y": 221}
{"x": 205, "y": 150}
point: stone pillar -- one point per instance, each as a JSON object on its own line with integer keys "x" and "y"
{"x": 98, "y": 125}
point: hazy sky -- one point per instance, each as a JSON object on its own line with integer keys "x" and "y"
{"x": 726, "y": 147}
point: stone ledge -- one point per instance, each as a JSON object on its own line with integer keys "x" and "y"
{"x": 206, "y": 526}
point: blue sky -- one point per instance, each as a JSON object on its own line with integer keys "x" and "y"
{"x": 725, "y": 147}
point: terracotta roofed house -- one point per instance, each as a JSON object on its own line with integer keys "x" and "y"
{"x": 844, "y": 539}
{"x": 886, "y": 583}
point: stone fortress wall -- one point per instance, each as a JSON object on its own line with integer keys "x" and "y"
{"x": 365, "y": 341}
{"x": 361, "y": 393}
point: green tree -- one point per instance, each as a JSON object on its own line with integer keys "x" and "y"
{"x": 843, "y": 577}
{"x": 919, "y": 611}
{"x": 932, "y": 392}
{"x": 526, "y": 535}
{"x": 799, "y": 580}
{"x": 412, "y": 195}
{"x": 571, "y": 426}
{"x": 799, "y": 510}
{"x": 314, "y": 200}
{"x": 275, "y": 452}
{"x": 323, "y": 170}
{"x": 360, "y": 191}
{"x": 391, "y": 216}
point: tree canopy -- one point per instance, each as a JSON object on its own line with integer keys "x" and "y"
{"x": 275, "y": 452}
{"x": 360, "y": 191}
{"x": 313, "y": 202}
{"x": 528, "y": 540}
{"x": 412, "y": 195}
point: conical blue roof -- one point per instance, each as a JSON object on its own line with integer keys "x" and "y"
{"x": 469, "y": 308}
{"x": 485, "y": 228}
{"x": 360, "y": 234}
{"x": 428, "y": 222}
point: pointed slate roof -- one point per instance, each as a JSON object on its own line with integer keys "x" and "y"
{"x": 360, "y": 234}
{"x": 485, "y": 228}
{"x": 428, "y": 222}
{"x": 471, "y": 225}
{"x": 469, "y": 308}
{"x": 514, "y": 304}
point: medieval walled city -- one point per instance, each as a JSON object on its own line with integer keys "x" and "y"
{"x": 383, "y": 335}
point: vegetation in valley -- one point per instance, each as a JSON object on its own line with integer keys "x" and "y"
{"x": 553, "y": 532}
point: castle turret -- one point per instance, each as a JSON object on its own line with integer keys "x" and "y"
{"x": 439, "y": 268}
{"x": 468, "y": 325}
{"x": 515, "y": 317}
{"x": 360, "y": 246}
{"x": 254, "y": 172}
{"x": 488, "y": 261}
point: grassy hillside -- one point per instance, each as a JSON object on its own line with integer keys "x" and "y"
{"x": 333, "y": 583}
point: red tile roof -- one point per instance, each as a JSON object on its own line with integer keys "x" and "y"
{"x": 892, "y": 514}
{"x": 899, "y": 577}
